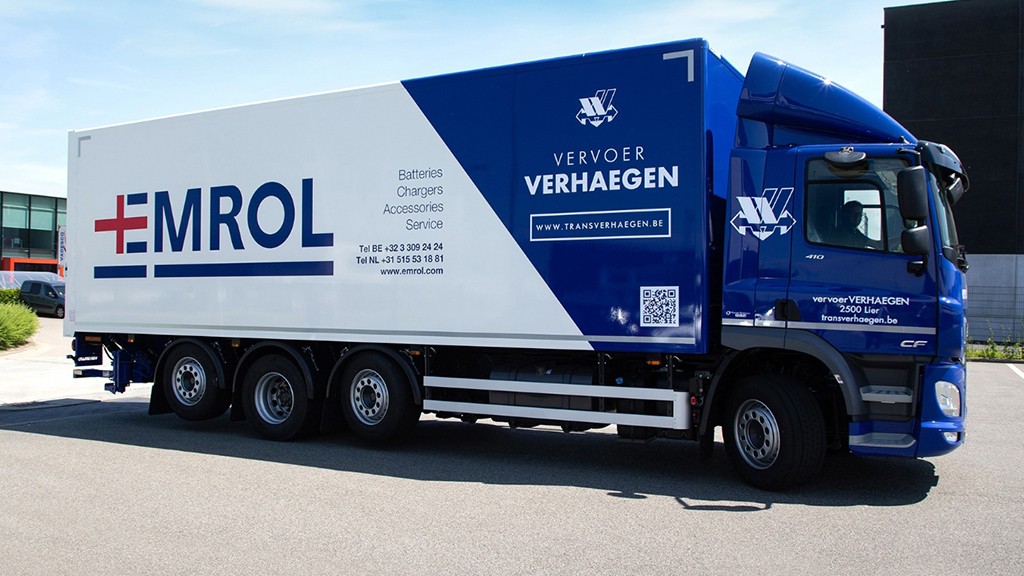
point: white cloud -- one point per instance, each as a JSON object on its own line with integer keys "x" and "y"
{"x": 271, "y": 6}
{"x": 265, "y": 6}
{"x": 32, "y": 157}
{"x": 49, "y": 179}
{"x": 23, "y": 104}
{"x": 105, "y": 85}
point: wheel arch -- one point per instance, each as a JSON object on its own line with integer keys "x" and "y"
{"x": 204, "y": 346}
{"x": 265, "y": 348}
{"x": 402, "y": 362}
{"x": 219, "y": 367}
{"x": 158, "y": 403}
{"x": 754, "y": 347}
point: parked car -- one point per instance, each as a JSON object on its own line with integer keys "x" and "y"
{"x": 45, "y": 297}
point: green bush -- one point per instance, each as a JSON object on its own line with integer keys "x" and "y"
{"x": 10, "y": 296}
{"x": 1013, "y": 351}
{"x": 17, "y": 324}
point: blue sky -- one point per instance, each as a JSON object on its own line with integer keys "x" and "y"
{"x": 72, "y": 64}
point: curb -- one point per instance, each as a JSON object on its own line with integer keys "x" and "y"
{"x": 40, "y": 404}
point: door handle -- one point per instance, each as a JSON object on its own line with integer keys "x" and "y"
{"x": 787, "y": 310}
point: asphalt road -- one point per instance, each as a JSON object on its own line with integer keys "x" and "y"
{"x": 103, "y": 488}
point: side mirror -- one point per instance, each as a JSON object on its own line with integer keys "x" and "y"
{"x": 912, "y": 190}
{"x": 916, "y": 241}
{"x": 954, "y": 182}
{"x": 956, "y": 190}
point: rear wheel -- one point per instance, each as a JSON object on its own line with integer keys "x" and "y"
{"x": 377, "y": 398}
{"x": 275, "y": 399}
{"x": 192, "y": 383}
{"x": 775, "y": 434}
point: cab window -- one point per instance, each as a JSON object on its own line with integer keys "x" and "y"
{"x": 854, "y": 206}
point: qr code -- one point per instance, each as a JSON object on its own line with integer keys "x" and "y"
{"x": 659, "y": 306}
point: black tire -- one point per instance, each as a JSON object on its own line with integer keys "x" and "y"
{"x": 58, "y": 311}
{"x": 775, "y": 432}
{"x": 192, "y": 383}
{"x": 275, "y": 399}
{"x": 376, "y": 398}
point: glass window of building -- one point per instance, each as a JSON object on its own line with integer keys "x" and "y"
{"x": 42, "y": 235}
{"x": 16, "y": 234}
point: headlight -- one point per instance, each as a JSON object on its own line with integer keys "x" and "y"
{"x": 948, "y": 397}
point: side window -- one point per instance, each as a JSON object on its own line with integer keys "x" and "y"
{"x": 31, "y": 287}
{"x": 854, "y": 206}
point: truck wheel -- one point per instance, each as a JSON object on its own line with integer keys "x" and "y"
{"x": 275, "y": 400}
{"x": 192, "y": 384}
{"x": 376, "y": 398}
{"x": 775, "y": 435}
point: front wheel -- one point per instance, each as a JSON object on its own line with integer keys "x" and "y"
{"x": 376, "y": 398}
{"x": 775, "y": 433}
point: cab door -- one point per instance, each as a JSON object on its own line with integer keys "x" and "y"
{"x": 761, "y": 222}
{"x": 850, "y": 281}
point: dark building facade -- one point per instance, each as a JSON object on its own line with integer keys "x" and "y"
{"x": 953, "y": 74}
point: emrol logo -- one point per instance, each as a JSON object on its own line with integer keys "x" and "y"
{"x": 177, "y": 226}
{"x": 764, "y": 215}
{"x": 597, "y": 109}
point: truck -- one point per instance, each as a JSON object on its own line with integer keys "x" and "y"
{"x": 644, "y": 237}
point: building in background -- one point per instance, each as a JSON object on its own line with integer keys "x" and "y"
{"x": 953, "y": 74}
{"x": 30, "y": 227}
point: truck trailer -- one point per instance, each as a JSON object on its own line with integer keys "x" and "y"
{"x": 643, "y": 238}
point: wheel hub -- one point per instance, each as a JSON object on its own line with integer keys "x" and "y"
{"x": 189, "y": 381}
{"x": 369, "y": 397}
{"x": 274, "y": 398}
{"x": 757, "y": 434}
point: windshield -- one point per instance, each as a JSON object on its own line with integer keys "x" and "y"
{"x": 951, "y": 248}
{"x": 948, "y": 182}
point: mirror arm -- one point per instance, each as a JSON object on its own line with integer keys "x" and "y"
{"x": 917, "y": 267}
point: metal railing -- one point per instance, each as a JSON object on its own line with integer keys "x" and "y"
{"x": 995, "y": 312}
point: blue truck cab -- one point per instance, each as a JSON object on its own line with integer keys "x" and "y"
{"x": 841, "y": 246}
